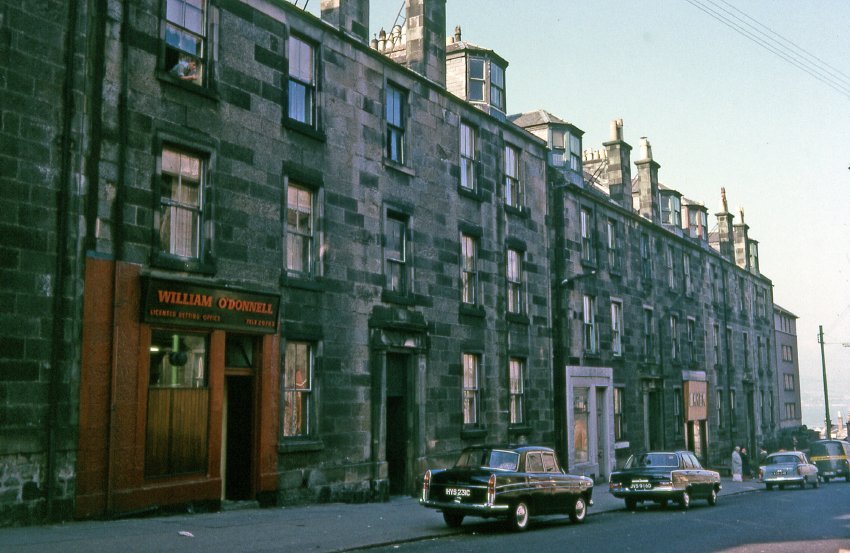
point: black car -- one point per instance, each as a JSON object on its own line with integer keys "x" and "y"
{"x": 832, "y": 457}
{"x": 509, "y": 482}
{"x": 663, "y": 476}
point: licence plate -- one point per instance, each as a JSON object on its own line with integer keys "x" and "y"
{"x": 458, "y": 492}
{"x": 641, "y": 486}
{"x": 829, "y": 474}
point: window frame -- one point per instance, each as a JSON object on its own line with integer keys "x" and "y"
{"x": 311, "y": 263}
{"x": 617, "y": 328}
{"x": 515, "y": 281}
{"x": 674, "y": 337}
{"x": 590, "y": 333}
{"x": 469, "y": 269}
{"x": 496, "y": 90}
{"x": 516, "y": 391}
{"x": 468, "y": 156}
{"x": 513, "y": 186}
{"x": 619, "y": 413}
{"x": 311, "y": 89}
{"x": 613, "y": 245}
{"x": 404, "y": 263}
{"x": 204, "y": 261}
{"x": 204, "y": 59}
{"x": 471, "y": 388}
{"x": 482, "y": 80}
{"x": 587, "y": 228}
{"x": 395, "y": 130}
{"x": 309, "y": 420}
{"x": 648, "y": 333}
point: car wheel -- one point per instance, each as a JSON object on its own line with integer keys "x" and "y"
{"x": 826, "y": 479}
{"x": 769, "y": 486}
{"x": 685, "y": 500}
{"x": 453, "y": 520}
{"x": 631, "y": 503}
{"x": 519, "y": 516}
{"x": 579, "y": 510}
{"x": 712, "y": 498}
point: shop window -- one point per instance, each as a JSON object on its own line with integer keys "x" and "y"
{"x": 177, "y": 404}
{"x": 298, "y": 389}
{"x": 580, "y": 421}
{"x": 185, "y": 40}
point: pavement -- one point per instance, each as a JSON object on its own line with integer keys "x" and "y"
{"x": 323, "y": 528}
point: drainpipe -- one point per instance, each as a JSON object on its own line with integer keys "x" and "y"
{"x": 58, "y": 351}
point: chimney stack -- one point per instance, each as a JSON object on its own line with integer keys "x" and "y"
{"x": 725, "y": 229}
{"x": 426, "y": 39}
{"x": 742, "y": 242}
{"x": 648, "y": 183}
{"x": 619, "y": 166}
{"x": 350, "y": 16}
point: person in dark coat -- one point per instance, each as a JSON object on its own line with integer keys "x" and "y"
{"x": 745, "y": 464}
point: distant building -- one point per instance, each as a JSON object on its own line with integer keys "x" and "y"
{"x": 787, "y": 369}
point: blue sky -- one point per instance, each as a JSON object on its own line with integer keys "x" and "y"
{"x": 720, "y": 111}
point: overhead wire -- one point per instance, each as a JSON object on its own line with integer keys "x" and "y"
{"x": 804, "y": 63}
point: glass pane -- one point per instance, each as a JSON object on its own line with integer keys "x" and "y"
{"x": 178, "y": 360}
{"x": 580, "y": 417}
{"x": 476, "y": 68}
{"x": 497, "y": 76}
{"x": 174, "y": 11}
{"x": 239, "y": 351}
{"x": 476, "y": 91}
{"x": 194, "y": 19}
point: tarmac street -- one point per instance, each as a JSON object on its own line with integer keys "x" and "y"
{"x": 322, "y": 528}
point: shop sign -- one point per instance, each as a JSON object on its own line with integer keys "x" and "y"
{"x": 696, "y": 400}
{"x": 196, "y": 305}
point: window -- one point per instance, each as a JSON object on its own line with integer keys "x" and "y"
{"x": 671, "y": 269}
{"x": 469, "y": 269}
{"x": 613, "y": 245}
{"x": 686, "y": 271}
{"x": 716, "y": 330}
{"x": 678, "y": 420}
{"x": 616, "y": 328}
{"x": 692, "y": 347}
{"x": 746, "y": 340}
{"x": 497, "y": 87}
{"x": 575, "y": 153}
{"x": 470, "y": 388}
{"x": 790, "y": 410}
{"x": 185, "y": 40}
{"x": 476, "y": 80}
{"x": 302, "y": 81}
{"x": 719, "y": 408}
{"x": 513, "y": 190}
{"x": 297, "y": 389}
{"x": 733, "y": 416}
{"x": 715, "y": 285}
{"x": 787, "y": 353}
{"x": 754, "y": 256}
{"x": 789, "y": 382}
{"x": 467, "y": 156}
{"x": 580, "y": 420}
{"x": 181, "y": 204}
{"x": 619, "y": 432}
{"x": 587, "y": 249}
{"x": 559, "y": 147}
{"x": 395, "y": 114}
{"x": 395, "y": 254}
{"x": 645, "y": 258}
{"x": 177, "y": 404}
{"x": 516, "y": 369}
{"x": 648, "y": 333}
{"x": 515, "y": 282}
{"x": 671, "y": 209}
{"x": 759, "y": 353}
{"x": 590, "y": 335}
{"x": 674, "y": 336}
{"x": 299, "y": 229}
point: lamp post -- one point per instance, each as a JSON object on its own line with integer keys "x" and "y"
{"x": 825, "y": 391}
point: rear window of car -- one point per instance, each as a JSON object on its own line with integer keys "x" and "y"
{"x": 488, "y": 458}
{"x": 783, "y": 459}
{"x": 653, "y": 460}
{"x": 827, "y": 448}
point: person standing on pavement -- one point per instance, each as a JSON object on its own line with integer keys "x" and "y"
{"x": 745, "y": 464}
{"x": 737, "y": 464}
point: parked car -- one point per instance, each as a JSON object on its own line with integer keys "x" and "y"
{"x": 663, "y": 476}
{"x": 832, "y": 458}
{"x": 785, "y": 468}
{"x": 509, "y": 482}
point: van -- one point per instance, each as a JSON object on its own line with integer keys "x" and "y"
{"x": 832, "y": 458}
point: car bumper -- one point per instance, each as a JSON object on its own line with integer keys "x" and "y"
{"x": 656, "y": 493}
{"x": 796, "y": 479}
{"x": 476, "y": 509}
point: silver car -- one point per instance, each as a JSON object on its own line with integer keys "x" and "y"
{"x": 788, "y": 468}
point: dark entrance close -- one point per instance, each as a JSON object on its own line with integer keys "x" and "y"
{"x": 397, "y": 423}
{"x": 240, "y": 422}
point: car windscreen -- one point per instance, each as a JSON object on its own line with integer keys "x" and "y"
{"x": 488, "y": 458}
{"x": 778, "y": 459}
{"x": 668, "y": 460}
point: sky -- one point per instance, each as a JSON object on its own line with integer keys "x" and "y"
{"x": 720, "y": 111}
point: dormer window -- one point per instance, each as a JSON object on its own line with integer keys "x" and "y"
{"x": 698, "y": 223}
{"x": 476, "y": 80}
{"x": 671, "y": 210}
{"x": 497, "y": 87}
{"x": 480, "y": 72}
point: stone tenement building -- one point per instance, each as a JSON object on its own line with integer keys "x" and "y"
{"x": 787, "y": 369}
{"x": 249, "y": 254}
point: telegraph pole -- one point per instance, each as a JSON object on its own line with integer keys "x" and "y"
{"x": 825, "y": 392}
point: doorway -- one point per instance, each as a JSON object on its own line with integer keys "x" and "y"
{"x": 239, "y": 417}
{"x": 655, "y": 422}
{"x": 398, "y": 424}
